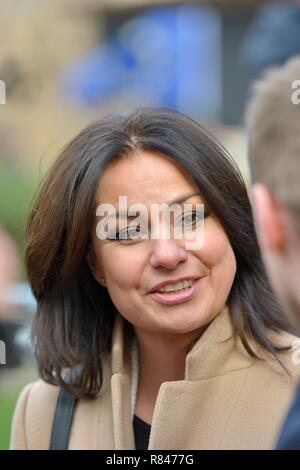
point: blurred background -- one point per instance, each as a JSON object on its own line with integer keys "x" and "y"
{"x": 65, "y": 62}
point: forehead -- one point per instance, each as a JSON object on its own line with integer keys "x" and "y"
{"x": 144, "y": 177}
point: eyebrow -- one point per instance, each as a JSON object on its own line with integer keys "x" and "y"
{"x": 183, "y": 198}
{"x": 179, "y": 200}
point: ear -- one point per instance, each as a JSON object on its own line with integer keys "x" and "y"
{"x": 268, "y": 218}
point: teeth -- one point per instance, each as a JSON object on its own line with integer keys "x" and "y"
{"x": 176, "y": 287}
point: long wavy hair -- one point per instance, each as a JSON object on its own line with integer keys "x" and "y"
{"x": 75, "y": 314}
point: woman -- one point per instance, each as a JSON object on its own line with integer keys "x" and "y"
{"x": 208, "y": 367}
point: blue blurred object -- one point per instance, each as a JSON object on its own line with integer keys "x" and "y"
{"x": 165, "y": 56}
{"x": 273, "y": 36}
{"x": 16, "y": 332}
{"x": 21, "y": 296}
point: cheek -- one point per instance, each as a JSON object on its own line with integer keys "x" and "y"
{"x": 218, "y": 254}
{"x": 120, "y": 267}
{"x": 123, "y": 269}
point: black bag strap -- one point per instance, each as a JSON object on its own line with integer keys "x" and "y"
{"x": 62, "y": 418}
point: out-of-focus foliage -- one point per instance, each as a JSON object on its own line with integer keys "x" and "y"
{"x": 16, "y": 192}
{"x": 7, "y": 406}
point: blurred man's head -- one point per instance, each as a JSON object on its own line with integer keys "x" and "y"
{"x": 273, "y": 120}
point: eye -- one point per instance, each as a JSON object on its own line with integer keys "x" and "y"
{"x": 129, "y": 233}
{"x": 194, "y": 217}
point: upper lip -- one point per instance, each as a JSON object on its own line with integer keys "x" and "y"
{"x": 171, "y": 281}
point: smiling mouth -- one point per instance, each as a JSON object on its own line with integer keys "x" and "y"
{"x": 181, "y": 295}
{"x": 177, "y": 291}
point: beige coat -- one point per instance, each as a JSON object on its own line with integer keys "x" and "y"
{"x": 227, "y": 400}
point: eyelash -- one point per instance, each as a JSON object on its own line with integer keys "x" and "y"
{"x": 206, "y": 214}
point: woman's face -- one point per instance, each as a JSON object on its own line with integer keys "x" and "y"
{"x": 132, "y": 268}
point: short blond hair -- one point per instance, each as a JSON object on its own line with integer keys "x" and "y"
{"x": 273, "y": 123}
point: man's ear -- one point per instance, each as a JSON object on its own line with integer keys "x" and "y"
{"x": 268, "y": 219}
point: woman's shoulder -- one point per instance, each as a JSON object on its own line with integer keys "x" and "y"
{"x": 291, "y": 356}
{"x": 33, "y": 416}
{"x": 35, "y": 393}
{"x": 35, "y": 408}
{"x": 287, "y": 349}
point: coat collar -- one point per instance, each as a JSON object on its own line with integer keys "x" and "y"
{"x": 218, "y": 350}
{"x": 217, "y": 353}
{"x": 213, "y": 354}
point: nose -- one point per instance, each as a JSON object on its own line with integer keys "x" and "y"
{"x": 167, "y": 253}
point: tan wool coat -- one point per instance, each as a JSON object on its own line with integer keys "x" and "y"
{"x": 228, "y": 400}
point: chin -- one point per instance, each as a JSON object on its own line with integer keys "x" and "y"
{"x": 186, "y": 326}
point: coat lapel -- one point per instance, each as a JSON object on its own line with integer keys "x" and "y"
{"x": 195, "y": 414}
{"x": 121, "y": 387}
{"x": 216, "y": 368}
{"x": 218, "y": 351}
{"x": 202, "y": 402}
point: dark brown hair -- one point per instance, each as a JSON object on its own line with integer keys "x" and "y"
{"x": 75, "y": 315}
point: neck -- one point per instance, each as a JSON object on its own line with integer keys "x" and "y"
{"x": 161, "y": 359}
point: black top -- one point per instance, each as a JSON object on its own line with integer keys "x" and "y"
{"x": 141, "y": 433}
